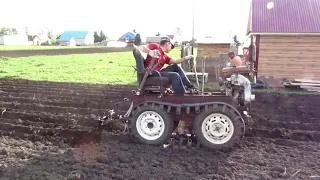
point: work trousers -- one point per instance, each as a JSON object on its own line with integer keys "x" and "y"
{"x": 177, "y": 76}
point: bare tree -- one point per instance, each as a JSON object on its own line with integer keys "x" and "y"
{"x": 178, "y": 31}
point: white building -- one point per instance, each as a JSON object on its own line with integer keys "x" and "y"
{"x": 17, "y": 40}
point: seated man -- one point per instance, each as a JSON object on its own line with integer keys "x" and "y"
{"x": 235, "y": 60}
{"x": 174, "y": 72}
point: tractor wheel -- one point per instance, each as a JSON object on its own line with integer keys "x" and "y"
{"x": 218, "y": 128}
{"x": 151, "y": 125}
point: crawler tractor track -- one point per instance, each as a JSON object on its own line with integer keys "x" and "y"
{"x": 194, "y": 139}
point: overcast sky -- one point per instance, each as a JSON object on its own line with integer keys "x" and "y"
{"x": 115, "y": 17}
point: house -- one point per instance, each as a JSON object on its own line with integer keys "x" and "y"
{"x": 286, "y": 38}
{"x": 17, "y": 40}
{"x": 34, "y": 40}
{"x": 76, "y": 38}
{"x": 128, "y": 37}
{"x": 38, "y": 40}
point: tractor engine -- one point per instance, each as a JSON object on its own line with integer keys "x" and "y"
{"x": 239, "y": 88}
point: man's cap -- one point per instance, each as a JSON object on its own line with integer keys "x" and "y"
{"x": 167, "y": 39}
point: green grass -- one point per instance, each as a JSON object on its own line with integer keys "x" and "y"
{"x": 31, "y": 47}
{"x": 106, "y": 68}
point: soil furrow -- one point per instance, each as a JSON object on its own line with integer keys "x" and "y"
{"x": 282, "y": 133}
{"x": 48, "y": 108}
{"x": 31, "y": 137}
{"x": 287, "y": 111}
{"x": 76, "y": 103}
{"x": 47, "y": 117}
{"x": 41, "y": 131}
{"x": 61, "y": 90}
{"x": 88, "y": 97}
{"x": 285, "y": 118}
{"x": 40, "y": 124}
{"x": 302, "y": 125}
{"x": 282, "y": 144}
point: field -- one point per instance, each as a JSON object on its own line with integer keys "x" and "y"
{"x": 87, "y": 65}
{"x": 59, "y": 51}
{"x": 40, "y": 118}
{"x": 30, "y": 47}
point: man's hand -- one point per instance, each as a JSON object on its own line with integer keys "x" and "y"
{"x": 187, "y": 58}
{"x": 154, "y": 53}
{"x": 178, "y": 61}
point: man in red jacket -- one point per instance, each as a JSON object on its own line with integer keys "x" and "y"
{"x": 174, "y": 72}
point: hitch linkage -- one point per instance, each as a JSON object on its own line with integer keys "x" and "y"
{"x": 111, "y": 116}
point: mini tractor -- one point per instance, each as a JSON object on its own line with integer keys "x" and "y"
{"x": 215, "y": 120}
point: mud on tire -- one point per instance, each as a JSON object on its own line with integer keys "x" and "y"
{"x": 151, "y": 125}
{"x": 218, "y": 121}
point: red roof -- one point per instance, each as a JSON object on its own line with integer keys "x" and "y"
{"x": 287, "y": 16}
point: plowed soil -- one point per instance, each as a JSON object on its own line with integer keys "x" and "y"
{"x": 54, "y": 52}
{"x": 38, "y": 119}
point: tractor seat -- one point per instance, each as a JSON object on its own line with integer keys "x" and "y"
{"x": 156, "y": 81}
{"x": 152, "y": 80}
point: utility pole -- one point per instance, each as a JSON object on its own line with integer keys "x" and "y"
{"x": 27, "y": 30}
{"x": 192, "y": 20}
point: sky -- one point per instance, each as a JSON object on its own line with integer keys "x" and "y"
{"x": 116, "y": 17}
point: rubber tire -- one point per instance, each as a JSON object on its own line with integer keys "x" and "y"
{"x": 168, "y": 121}
{"x": 234, "y": 117}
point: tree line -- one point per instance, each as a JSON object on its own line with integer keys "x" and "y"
{"x": 8, "y": 31}
{"x": 99, "y": 37}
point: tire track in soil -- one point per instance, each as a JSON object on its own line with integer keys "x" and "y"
{"x": 33, "y": 122}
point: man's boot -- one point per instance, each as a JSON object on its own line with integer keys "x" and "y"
{"x": 192, "y": 88}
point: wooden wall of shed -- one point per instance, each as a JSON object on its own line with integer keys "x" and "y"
{"x": 211, "y": 51}
{"x": 294, "y": 57}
